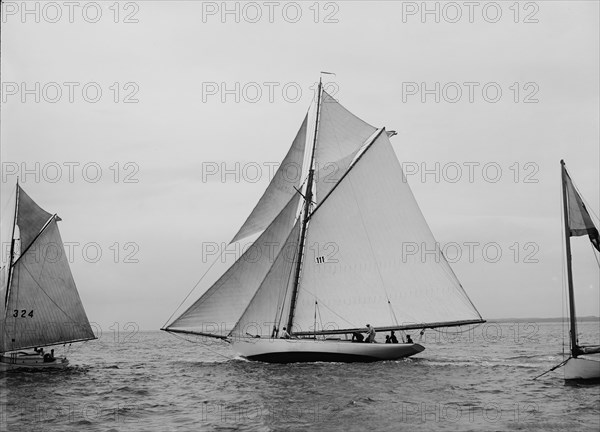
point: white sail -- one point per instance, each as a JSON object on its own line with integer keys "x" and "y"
{"x": 43, "y": 306}
{"x": 281, "y": 188}
{"x": 271, "y": 301}
{"x": 31, "y": 218}
{"x": 341, "y": 135}
{"x": 360, "y": 255}
{"x": 218, "y": 310}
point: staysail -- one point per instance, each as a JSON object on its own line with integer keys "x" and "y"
{"x": 270, "y": 302}
{"x": 42, "y": 305}
{"x": 371, "y": 257}
{"x": 218, "y": 310}
{"x": 281, "y": 188}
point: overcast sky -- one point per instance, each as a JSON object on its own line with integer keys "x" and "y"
{"x": 517, "y": 89}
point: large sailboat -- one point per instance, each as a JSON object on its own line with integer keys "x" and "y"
{"x": 584, "y": 361}
{"x": 339, "y": 245}
{"x": 42, "y": 307}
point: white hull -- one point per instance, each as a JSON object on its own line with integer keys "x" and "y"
{"x": 310, "y": 350}
{"x": 585, "y": 367}
{"x": 19, "y": 360}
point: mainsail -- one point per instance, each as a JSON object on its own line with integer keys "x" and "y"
{"x": 42, "y": 305}
{"x": 351, "y": 262}
{"x": 371, "y": 256}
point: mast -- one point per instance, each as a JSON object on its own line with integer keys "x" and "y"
{"x": 306, "y": 213}
{"x": 573, "y": 323}
{"x": 12, "y": 245}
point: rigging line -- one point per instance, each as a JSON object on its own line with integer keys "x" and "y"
{"x": 595, "y": 252}
{"x": 392, "y": 312}
{"x": 268, "y": 273}
{"x": 280, "y": 301}
{"x": 195, "y": 286}
{"x": 320, "y": 317}
{"x": 214, "y": 288}
{"x": 448, "y": 270}
{"x": 16, "y": 302}
{"x": 563, "y": 307}
{"x": 203, "y": 345}
{"x": 555, "y": 367}
{"x": 306, "y": 157}
{"x": 585, "y": 202}
{"x": 299, "y": 189}
{"x": 315, "y": 319}
{"x": 590, "y": 208}
{"x": 281, "y": 306}
{"x": 458, "y": 332}
{"x": 8, "y": 201}
{"x": 226, "y": 271}
{"x": 11, "y": 264}
{"x": 328, "y": 308}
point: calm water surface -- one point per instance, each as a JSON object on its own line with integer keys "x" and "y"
{"x": 153, "y": 381}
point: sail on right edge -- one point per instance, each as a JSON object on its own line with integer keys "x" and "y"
{"x": 578, "y": 222}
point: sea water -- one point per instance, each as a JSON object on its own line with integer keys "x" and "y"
{"x": 476, "y": 380}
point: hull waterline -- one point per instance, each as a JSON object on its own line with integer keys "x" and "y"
{"x": 16, "y": 361}
{"x": 310, "y": 350}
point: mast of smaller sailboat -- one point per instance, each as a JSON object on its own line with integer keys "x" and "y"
{"x": 573, "y": 322}
{"x": 306, "y": 213}
{"x": 12, "y": 245}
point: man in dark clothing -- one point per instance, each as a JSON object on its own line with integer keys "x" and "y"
{"x": 357, "y": 337}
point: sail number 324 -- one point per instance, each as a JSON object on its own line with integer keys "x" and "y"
{"x": 23, "y": 313}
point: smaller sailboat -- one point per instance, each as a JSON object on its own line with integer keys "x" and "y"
{"x": 584, "y": 362}
{"x": 42, "y": 307}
